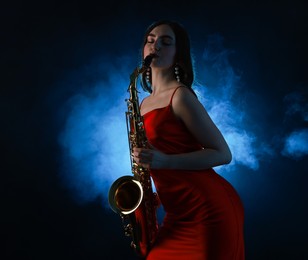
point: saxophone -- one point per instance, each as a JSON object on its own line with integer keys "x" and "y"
{"x": 132, "y": 197}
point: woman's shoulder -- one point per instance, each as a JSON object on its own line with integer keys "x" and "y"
{"x": 185, "y": 101}
{"x": 184, "y": 93}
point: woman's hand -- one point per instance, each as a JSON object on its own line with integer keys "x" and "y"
{"x": 150, "y": 158}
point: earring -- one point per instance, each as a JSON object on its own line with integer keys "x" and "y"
{"x": 177, "y": 73}
{"x": 147, "y": 77}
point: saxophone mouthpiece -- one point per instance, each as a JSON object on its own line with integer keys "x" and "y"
{"x": 148, "y": 59}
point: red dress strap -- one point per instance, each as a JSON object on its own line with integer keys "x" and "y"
{"x": 174, "y": 93}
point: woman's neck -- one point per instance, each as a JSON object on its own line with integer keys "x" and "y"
{"x": 162, "y": 81}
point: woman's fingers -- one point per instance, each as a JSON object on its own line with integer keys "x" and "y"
{"x": 142, "y": 157}
{"x": 150, "y": 158}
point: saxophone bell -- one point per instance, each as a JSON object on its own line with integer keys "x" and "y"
{"x": 125, "y": 195}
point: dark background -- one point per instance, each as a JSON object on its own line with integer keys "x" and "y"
{"x": 44, "y": 42}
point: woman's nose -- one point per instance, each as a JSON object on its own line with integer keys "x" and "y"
{"x": 156, "y": 46}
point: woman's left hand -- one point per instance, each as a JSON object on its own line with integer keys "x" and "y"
{"x": 149, "y": 158}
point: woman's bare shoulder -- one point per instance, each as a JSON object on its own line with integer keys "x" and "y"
{"x": 184, "y": 95}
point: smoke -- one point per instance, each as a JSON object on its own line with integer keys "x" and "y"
{"x": 94, "y": 144}
{"x": 296, "y": 105}
{"x": 94, "y": 139}
{"x": 230, "y": 120}
{"x": 296, "y": 142}
{"x": 226, "y": 106}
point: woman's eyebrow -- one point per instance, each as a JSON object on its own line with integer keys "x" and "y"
{"x": 162, "y": 36}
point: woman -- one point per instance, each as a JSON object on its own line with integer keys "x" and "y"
{"x": 204, "y": 215}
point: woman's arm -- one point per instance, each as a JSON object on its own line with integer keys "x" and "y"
{"x": 216, "y": 151}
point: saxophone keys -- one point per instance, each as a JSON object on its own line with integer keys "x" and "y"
{"x": 128, "y": 230}
{"x": 133, "y": 245}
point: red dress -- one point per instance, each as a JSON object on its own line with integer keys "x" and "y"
{"x": 204, "y": 214}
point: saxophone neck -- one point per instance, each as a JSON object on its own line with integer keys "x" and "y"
{"x": 134, "y": 76}
{"x": 137, "y": 71}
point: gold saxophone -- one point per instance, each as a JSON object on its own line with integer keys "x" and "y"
{"x": 132, "y": 196}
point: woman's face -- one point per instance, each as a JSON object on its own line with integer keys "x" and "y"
{"x": 161, "y": 42}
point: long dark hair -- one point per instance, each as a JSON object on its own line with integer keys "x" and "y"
{"x": 182, "y": 57}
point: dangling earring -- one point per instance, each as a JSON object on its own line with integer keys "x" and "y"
{"x": 177, "y": 73}
{"x": 147, "y": 77}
